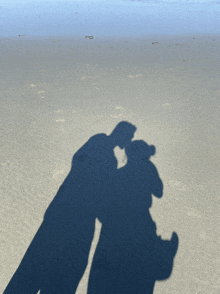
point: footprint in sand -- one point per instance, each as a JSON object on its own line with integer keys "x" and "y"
{"x": 58, "y": 111}
{"x": 41, "y": 92}
{"x": 131, "y": 77}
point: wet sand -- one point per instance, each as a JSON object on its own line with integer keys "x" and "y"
{"x": 58, "y": 92}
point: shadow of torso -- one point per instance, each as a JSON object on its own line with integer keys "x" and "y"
{"x": 57, "y": 256}
{"x": 130, "y": 257}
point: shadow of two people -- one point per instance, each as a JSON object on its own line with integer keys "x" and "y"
{"x": 130, "y": 257}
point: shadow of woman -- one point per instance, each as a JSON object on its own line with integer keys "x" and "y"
{"x": 58, "y": 254}
{"x": 130, "y": 257}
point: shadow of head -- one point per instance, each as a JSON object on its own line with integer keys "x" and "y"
{"x": 139, "y": 150}
{"x": 122, "y": 134}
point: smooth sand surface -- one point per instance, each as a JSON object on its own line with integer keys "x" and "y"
{"x": 57, "y": 92}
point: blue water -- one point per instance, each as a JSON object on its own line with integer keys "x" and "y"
{"x": 106, "y": 18}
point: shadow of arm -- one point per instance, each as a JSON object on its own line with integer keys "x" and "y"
{"x": 157, "y": 184}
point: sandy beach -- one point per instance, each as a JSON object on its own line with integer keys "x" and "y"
{"x": 57, "y": 92}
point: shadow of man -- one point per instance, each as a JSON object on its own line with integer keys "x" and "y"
{"x": 130, "y": 257}
{"x": 58, "y": 254}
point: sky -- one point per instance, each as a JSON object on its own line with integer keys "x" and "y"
{"x": 112, "y": 17}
